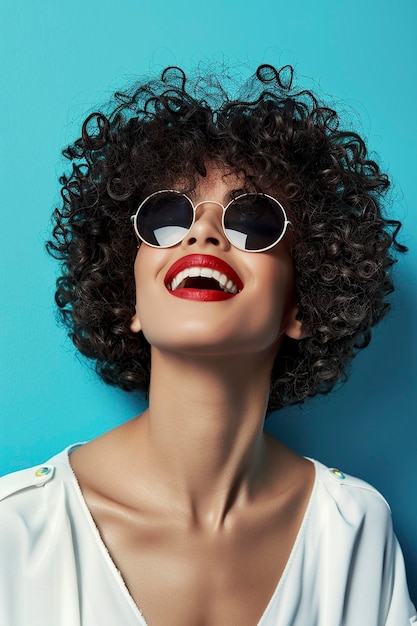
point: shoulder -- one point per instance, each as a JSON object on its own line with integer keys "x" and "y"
{"x": 36, "y": 510}
{"x": 341, "y": 487}
{"x": 24, "y": 494}
{"x": 38, "y": 544}
{"x": 350, "y": 507}
{"x": 23, "y": 480}
{"x": 351, "y": 527}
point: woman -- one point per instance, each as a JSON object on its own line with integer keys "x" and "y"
{"x": 238, "y": 246}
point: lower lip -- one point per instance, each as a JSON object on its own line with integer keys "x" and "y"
{"x": 202, "y": 295}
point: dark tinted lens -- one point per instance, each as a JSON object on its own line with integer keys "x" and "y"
{"x": 164, "y": 219}
{"x": 254, "y": 222}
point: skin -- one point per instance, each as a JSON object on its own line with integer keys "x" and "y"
{"x": 203, "y": 512}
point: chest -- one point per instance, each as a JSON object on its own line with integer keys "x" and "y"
{"x": 186, "y": 578}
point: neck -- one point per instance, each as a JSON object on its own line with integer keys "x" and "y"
{"x": 207, "y": 426}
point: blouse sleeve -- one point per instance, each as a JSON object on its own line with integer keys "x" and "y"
{"x": 367, "y": 556}
{"x": 394, "y": 592}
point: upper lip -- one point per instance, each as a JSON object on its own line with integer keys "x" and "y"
{"x": 203, "y": 261}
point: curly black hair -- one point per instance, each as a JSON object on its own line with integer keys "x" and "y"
{"x": 166, "y": 130}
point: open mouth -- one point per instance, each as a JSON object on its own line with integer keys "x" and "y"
{"x": 202, "y": 277}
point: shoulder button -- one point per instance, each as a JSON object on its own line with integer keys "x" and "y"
{"x": 337, "y": 473}
{"x": 32, "y": 477}
{"x": 43, "y": 471}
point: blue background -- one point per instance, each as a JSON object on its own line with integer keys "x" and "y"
{"x": 58, "y": 60}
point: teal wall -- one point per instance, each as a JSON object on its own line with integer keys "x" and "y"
{"x": 58, "y": 60}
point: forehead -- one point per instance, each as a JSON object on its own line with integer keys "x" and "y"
{"x": 218, "y": 184}
{"x": 222, "y": 178}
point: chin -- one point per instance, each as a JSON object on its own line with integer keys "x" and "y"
{"x": 211, "y": 344}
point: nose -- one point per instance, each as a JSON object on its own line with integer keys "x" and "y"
{"x": 207, "y": 229}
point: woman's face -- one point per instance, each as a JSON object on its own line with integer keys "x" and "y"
{"x": 190, "y": 318}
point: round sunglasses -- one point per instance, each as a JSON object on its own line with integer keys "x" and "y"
{"x": 253, "y": 222}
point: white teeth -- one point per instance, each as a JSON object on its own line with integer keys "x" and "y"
{"x": 193, "y": 272}
{"x": 223, "y": 280}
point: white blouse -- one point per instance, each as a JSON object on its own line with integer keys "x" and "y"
{"x": 345, "y": 569}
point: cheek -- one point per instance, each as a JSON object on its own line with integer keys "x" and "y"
{"x": 277, "y": 274}
{"x": 147, "y": 268}
{"x": 277, "y": 298}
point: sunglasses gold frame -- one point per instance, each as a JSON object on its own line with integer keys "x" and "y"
{"x": 286, "y": 224}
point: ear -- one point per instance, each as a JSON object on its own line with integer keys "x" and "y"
{"x": 135, "y": 325}
{"x": 292, "y": 327}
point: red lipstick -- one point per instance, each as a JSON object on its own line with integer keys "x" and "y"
{"x": 229, "y": 283}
